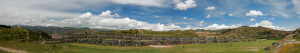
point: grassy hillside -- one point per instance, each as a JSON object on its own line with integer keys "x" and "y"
{"x": 258, "y": 32}
{"x": 297, "y": 30}
{"x": 233, "y": 47}
{"x": 177, "y": 33}
{"x": 297, "y": 34}
{"x": 21, "y": 34}
{"x": 291, "y": 48}
{"x": 3, "y": 52}
{"x": 63, "y": 30}
{"x": 254, "y": 32}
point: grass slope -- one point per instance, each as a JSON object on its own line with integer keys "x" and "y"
{"x": 258, "y": 32}
{"x": 291, "y": 48}
{"x": 233, "y": 47}
{"x": 3, "y": 51}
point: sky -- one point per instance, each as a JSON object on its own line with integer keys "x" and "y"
{"x": 157, "y": 15}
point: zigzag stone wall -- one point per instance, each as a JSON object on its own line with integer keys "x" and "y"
{"x": 139, "y": 40}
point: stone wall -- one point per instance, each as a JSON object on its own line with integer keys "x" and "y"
{"x": 139, "y": 40}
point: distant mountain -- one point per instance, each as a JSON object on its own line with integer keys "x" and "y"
{"x": 61, "y": 30}
{"x": 14, "y": 33}
{"x": 253, "y": 32}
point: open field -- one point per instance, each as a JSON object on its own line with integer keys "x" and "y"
{"x": 291, "y": 48}
{"x": 3, "y": 52}
{"x": 233, "y": 47}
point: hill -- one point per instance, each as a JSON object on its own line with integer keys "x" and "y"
{"x": 7, "y": 33}
{"x": 253, "y": 32}
{"x": 62, "y": 30}
{"x": 258, "y": 32}
{"x": 297, "y": 30}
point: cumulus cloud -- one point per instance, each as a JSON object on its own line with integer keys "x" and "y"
{"x": 268, "y": 24}
{"x": 230, "y": 14}
{"x": 184, "y": 17}
{"x": 156, "y": 16}
{"x": 107, "y": 14}
{"x": 279, "y": 7}
{"x": 179, "y": 5}
{"x": 254, "y": 13}
{"x": 156, "y": 3}
{"x": 218, "y": 27}
{"x": 252, "y": 19}
{"x": 210, "y": 8}
{"x": 105, "y": 20}
{"x": 201, "y": 23}
{"x": 296, "y": 6}
{"x": 68, "y": 8}
{"x": 208, "y": 16}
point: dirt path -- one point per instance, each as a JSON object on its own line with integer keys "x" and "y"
{"x": 11, "y": 50}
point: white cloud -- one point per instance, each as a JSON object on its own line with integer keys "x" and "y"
{"x": 201, "y": 23}
{"x": 181, "y": 23}
{"x": 156, "y": 3}
{"x": 184, "y": 17}
{"x": 188, "y": 25}
{"x": 156, "y": 16}
{"x": 230, "y": 14}
{"x": 252, "y": 19}
{"x": 279, "y": 7}
{"x": 208, "y": 16}
{"x": 210, "y": 8}
{"x": 104, "y": 20}
{"x": 296, "y": 6}
{"x": 88, "y": 14}
{"x": 254, "y": 13}
{"x": 108, "y": 21}
{"x": 68, "y": 8}
{"x": 268, "y": 24}
{"x": 108, "y": 14}
{"x": 218, "y": 27}
{"x": 184, "y": 5}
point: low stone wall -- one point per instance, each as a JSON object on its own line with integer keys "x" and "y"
{"x": 138, "y": 40}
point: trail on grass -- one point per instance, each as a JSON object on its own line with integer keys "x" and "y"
{"x": 12, "y": 50}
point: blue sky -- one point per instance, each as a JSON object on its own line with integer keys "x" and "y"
{"x": 173, "y": 14}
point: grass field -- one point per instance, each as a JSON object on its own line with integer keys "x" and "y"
{"x": 3, "y": 52}
{"x": 291, "y": 48}
{"x": 233, "y": 47}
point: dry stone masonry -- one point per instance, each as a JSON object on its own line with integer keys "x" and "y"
{"x": 140, "y": 40}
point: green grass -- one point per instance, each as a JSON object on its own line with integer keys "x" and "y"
{"x": 291, "y": 48}
{"x": 30, "y": 47}
{"x": 233, "y": 47}
{"x": 3, "y": 51}
{"x": 297, "y": 36}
